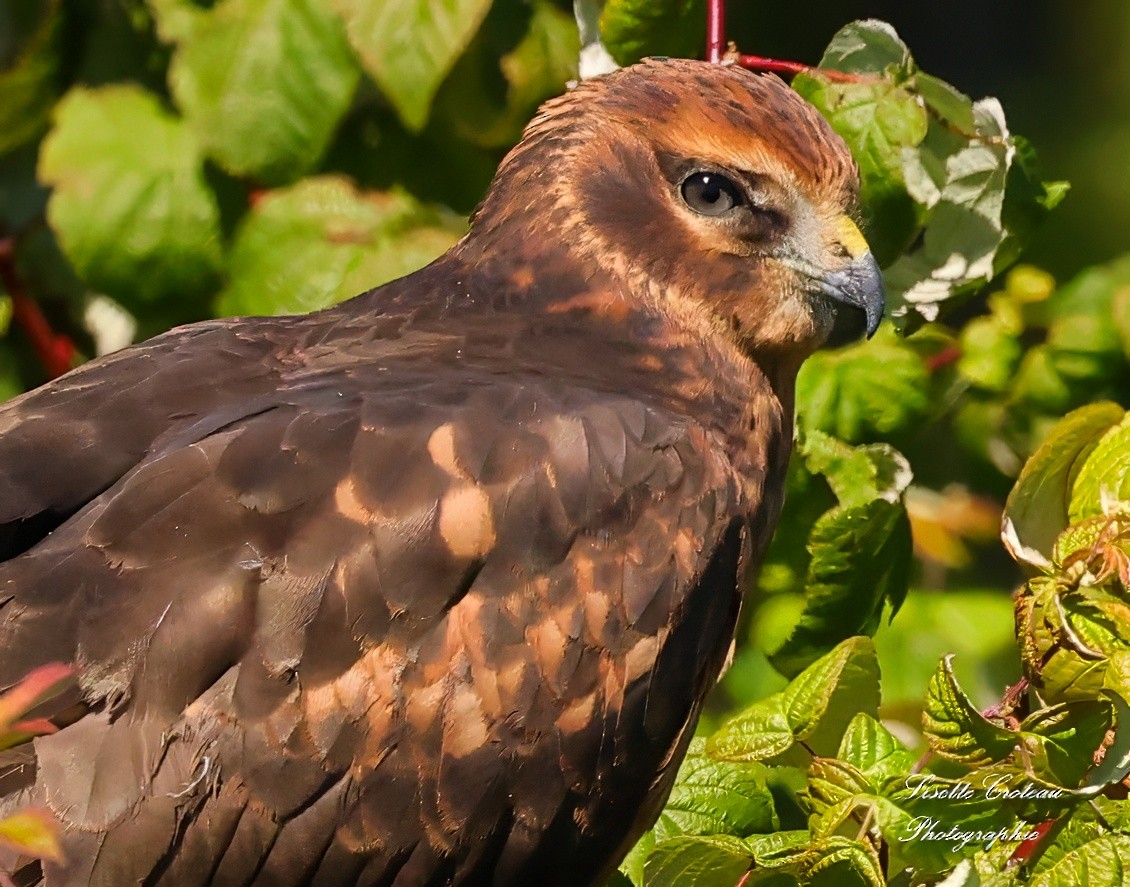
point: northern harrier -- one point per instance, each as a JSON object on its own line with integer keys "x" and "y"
{"x": 428, "y": 587}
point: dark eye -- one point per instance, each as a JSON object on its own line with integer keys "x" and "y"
{"x": 710, "y": 193}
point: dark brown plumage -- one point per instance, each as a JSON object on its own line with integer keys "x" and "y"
{"x": 429, "y": 587}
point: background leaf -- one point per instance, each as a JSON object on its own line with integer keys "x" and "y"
{"x": 156, "y": 234}
{"x": 263, "y": 84}
{"x": 335, "y": 241}
{"x": 29, "y": 69}
{"x": 409, "y": 46}
{"x": 632, "y": 29}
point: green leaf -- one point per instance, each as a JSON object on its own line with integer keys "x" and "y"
{"x": 949, "y": 194}
{"x": 951, "y": 106}
{"x": 1101, "y": 862}
{"x": 815, "y": 708}
{"x": 1085, "y": 346}
{"x": 857, "y": 475}
{"x": 864, "y": 391}
{"x": 715, "y": 861}
{"x": 409, "y": 46}
{"x": 1038, "y": 503}
{"x": 322, "y": 240}
{"x": 34, "y": 832}
{"x": 963, "y": 225}
{"x": 761, "y": 732}
{"x": 821, "y": 701}
{"x": 841, "y": 862}
{"x": 990, "y": 353}
{"x": 879, "y": 120}
{"x": 1081, "y": 536}
{"x": 1115, "y": 764}
{"x": 29, "y": 74}
{"x": 632, "y": 29}
{"x": 496, "y": 86}
{"x": 716, "y": 797}
{"x": 130, "y": 205}
{"x": 1104, "y": 476}
{"x": 872, "y": 749}
{"x": 263, "y": 84}
{"x": 955, "y": 729}
{"x": 1066, "y": 640}
{"x": 632, "y": 868}
{"x": 867, "y": 47}
{"x": 860, "y": 560}
{"x": 1061, "y": 740}
{"x": 834, "y": 792}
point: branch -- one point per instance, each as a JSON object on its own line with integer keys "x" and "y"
{"x": 718, "y": 52}
{"x": 715, "y": 30}
{"x": 55, "y": 351}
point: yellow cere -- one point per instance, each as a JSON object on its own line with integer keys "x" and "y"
{"x": 851, "y": 237}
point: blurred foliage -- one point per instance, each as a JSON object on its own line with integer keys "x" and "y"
{"x": 23, "y": 709}
{"x": 169, "y": 160}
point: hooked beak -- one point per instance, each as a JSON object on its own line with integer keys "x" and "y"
{"x": 859, "y": 284}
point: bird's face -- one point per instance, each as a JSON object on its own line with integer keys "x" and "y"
{"x": 718, "y": 191}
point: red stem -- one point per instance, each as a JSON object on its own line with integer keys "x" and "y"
{"x": 949, "y": 354}
{"x": 778, "y": 66}
{"x": 715, "y": 30}
{"x": 757, "y": 63}
{"x": 55, "y": 351}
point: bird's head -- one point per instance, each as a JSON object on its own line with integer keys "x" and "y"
{"x": 719, "y": 192}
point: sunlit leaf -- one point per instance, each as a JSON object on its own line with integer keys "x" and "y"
{"x": 263, "y": 84}
{"x": 760, "y": 732}
{"x": 130, "y": 204}
{"x": 322, "y": 241}
{"x": 713, "y": 797}
{"x": 873, "y": 750}
{"x": 863, "y": 391}
{"x": 1101, "y": 862}
{"x": 409, "y": 46}
{"x": 715, "y": 861}
{"x": 955, "y": 729}
{"x": 34, "y": 832}
{"x": 1104, "y": 475}
{"x": 1038, "y": 503}
{"x": 821, "y": 701}
{"x": 950, "y": 194}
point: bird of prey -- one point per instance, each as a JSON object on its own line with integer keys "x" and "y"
{"x": 428, "y": 587}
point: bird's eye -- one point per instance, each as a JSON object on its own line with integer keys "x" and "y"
{"x": 710, "y": 194}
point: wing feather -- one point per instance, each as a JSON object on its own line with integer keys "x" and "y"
{"x": 417, "y": 635}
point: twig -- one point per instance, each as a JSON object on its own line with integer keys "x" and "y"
{"x": 778, "y": 66}
{"x": 55, "y": 351}
{"x": 1013, "y": 696}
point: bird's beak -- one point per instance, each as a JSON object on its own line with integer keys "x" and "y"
{"x": 860, "y": 283}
